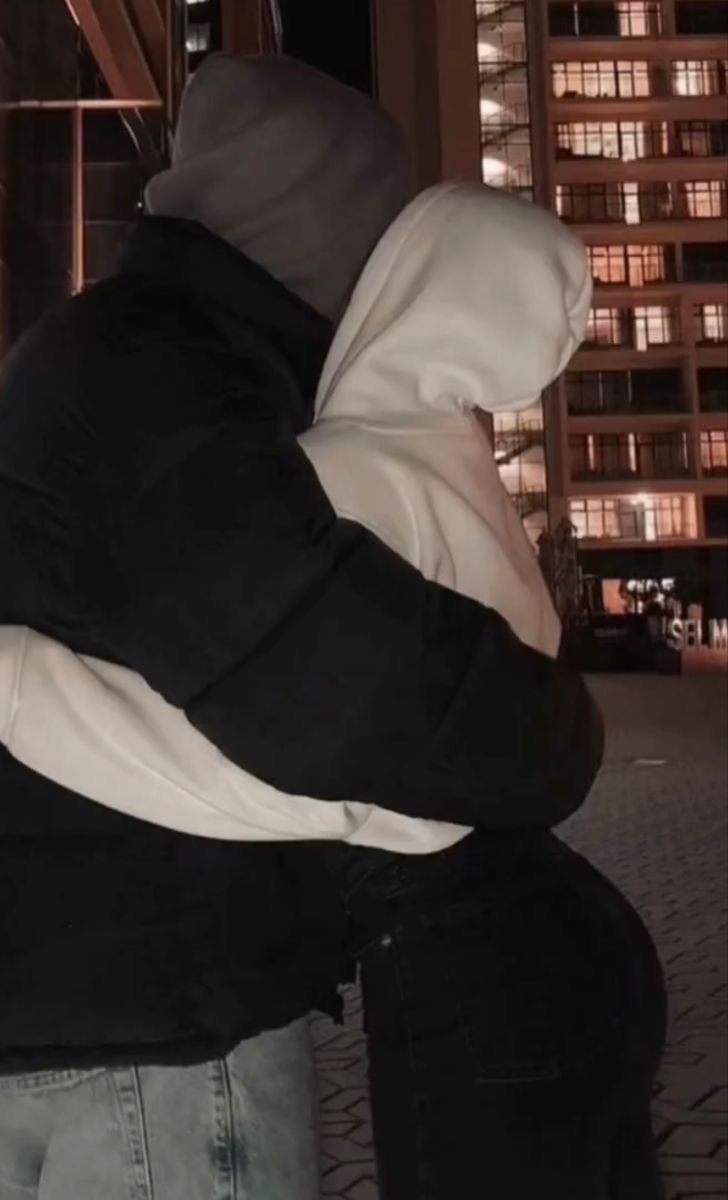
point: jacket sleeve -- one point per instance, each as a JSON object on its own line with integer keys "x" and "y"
{"x": 318, "y": 660}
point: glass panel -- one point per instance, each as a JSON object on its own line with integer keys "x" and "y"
{"x": 713, "y": 389}
{"x": 638, "y": 518}
{"x": 711, "y": 322}
{"x": 653, "y": 326}
{"x": 639, "y": 18}
{"x": 605, "y": 327}
{"x": 695, "y": 77}
{"x": 705, "y": 198}
{"x": 714, "y": 452}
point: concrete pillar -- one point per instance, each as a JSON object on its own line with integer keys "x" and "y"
{"x": 426, "y": 71}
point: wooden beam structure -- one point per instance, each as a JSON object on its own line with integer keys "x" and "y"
{"x": 149, "y": 20}
{"x": 123, "y": 36}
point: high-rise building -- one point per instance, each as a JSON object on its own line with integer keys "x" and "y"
{"x": 615, "y": 115}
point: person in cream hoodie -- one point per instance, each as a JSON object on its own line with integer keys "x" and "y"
{"x": 472, "y": 303}
{"x": 514, "y": 1004}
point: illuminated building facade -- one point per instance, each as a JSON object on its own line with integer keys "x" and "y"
{"x": 615, "y": 115}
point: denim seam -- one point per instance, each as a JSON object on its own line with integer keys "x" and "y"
{"x": 128, "y": 1092}
{"x": 224, "y": 1150}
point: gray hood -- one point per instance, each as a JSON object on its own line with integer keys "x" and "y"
{"x": 296, "y": 171}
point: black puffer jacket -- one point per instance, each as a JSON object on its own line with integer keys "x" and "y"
{"x": 156, "y": 510}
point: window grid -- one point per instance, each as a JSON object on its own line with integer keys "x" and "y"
{"x": 701, "y": 139}
{"x": 199, "y": 38}
{"x": 632, "y": 518}
{"x": 648, "y": 456}
{"x": 626, "y": 18}
{"x": 714, "y": 451}
{"x": 653, "y": 325}
{"x": 706, "y": 197}
{"x": 620, "y": 79}
{"x": 635, "y": 266}
{"x": 605, "y": 327}
{"x": 711, "y": 323}
{"x": 624, "y": 140}
{"x": 698, "y": 77}
{"x": 659, "y": 390}
{"x": 639, "y": 18}
{"x": 582, "y": 203}
{"x": 638, "y": 328}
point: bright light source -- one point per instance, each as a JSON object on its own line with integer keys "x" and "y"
{"x": 485, "y": 50}
{"x": 641, "y": 498}
{"x": 494, "y": 169}
{"x": 489, "y": 108}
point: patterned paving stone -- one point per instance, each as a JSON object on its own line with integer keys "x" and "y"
{"x": 659, "y": 830}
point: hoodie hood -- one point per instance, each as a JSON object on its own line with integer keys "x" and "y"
{"x": 296, "y": 171}
{"x": 473, "y": 298}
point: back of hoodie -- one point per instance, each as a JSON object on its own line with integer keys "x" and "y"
{"x": 399, "y": 449}
{"x": 473, "y": 300}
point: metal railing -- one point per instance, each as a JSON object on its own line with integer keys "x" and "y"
{"x": 530, "y": 501}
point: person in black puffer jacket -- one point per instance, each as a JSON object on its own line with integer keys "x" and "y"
{"x": 157, "y": 512}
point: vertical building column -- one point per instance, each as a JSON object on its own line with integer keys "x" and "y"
{"x": 426, "y": 72}
{"x": 668, "y": 18}
{"x": 556, "y": 447}
{"x": 539, "y": 96}
{"x": 249, "y": 26}
{"x": 77, "y": 201}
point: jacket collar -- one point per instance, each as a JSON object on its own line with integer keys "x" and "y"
{"x": 184, "y": 254}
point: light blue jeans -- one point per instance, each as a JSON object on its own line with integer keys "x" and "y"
{"x": 241, "y": 1128}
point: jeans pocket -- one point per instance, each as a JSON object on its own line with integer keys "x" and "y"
{"x": 527, "y": 988}
{"x": 46, "y": 1081}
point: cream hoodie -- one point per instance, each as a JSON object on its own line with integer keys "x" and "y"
{"x": 472, "y": 300}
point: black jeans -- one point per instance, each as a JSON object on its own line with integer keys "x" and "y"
{"x": 515, "y": 1012}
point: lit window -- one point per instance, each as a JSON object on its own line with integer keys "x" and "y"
{"x": 634, "y": 265}
{"x": 711, "y": 322}
{"x": 639, "y": 18}
{"x": 646, "y": 264}
{"x": 607, "y": 263}
{"x": 714, "y": 452}
{"x": 706, "y": 198}
{"x": 633, "y": 79}
{"x": 489, "y": 108}
{"x": 604, "y": 327}
{"x": 640, "y": 517}
{"x": 495, "y": 172}
{"x": 632, "y": 206}
{"x": 694, "y": 77}
{"x": 198, "y": 38}
{"x": 653, "y": 326}
{"x": 628, "y": 140}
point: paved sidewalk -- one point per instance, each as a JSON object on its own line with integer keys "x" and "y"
{"x": 656, "y": 823}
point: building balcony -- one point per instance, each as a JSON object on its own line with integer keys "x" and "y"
{"x": 637, "y": 517}
{"x": 612, "y": 394}
{"x": 665, "y": 107}
{"x": 667, "y": 473}
{"x": 670, "y": 167}
{"x": 651, "y": 48}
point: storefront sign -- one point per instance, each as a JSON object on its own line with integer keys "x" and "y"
{"x": 685, "y": 634}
